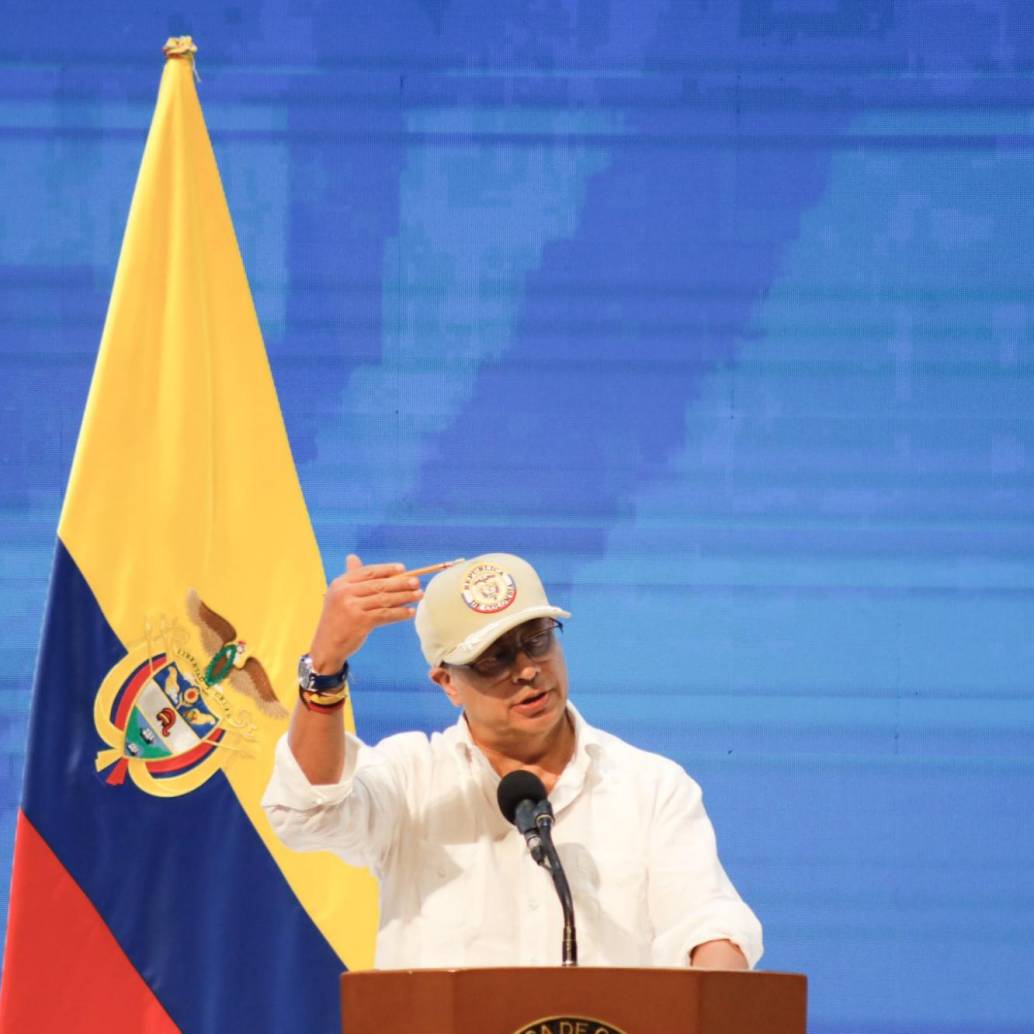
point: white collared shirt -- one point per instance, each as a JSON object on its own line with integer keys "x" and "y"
{"x": 458, "y": 886}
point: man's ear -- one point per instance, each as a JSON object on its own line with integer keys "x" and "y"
{"x": 443, "y": 677}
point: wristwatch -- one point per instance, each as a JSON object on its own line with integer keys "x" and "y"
{"x": 313, "y": 683}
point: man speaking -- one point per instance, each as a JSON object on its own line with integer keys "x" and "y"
{"x": 458, "y": 886}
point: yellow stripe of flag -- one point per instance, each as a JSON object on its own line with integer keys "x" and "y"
{"x": 183, "y": 477}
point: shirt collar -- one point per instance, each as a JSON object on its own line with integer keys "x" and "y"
{"x": 587, "y": 746}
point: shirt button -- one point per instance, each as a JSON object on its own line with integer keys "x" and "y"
{"x": 534, "y": 905}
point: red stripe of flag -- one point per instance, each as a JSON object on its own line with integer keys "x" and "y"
{"x": 64, "y": 971}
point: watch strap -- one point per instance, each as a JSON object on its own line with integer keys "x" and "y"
{"x": 323, "y": 683}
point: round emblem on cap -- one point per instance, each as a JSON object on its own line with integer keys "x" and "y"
{"x": 488, "y": 589}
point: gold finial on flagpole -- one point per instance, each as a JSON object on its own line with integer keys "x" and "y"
{"x": 182, "y": 46}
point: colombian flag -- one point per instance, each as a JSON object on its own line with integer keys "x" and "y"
{"x": 148, "y": 893}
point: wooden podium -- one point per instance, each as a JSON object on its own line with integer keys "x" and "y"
{"x": 587, "y": 1000}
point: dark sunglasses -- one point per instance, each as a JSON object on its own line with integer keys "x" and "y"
{"x": 499, "y": 657}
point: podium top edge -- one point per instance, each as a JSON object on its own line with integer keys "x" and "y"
{"x": 575, "y": 969}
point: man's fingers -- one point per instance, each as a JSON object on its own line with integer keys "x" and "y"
{"x": 364, "y": 572}
{"x": 387, "y": 617}
{"x": 375, "y": 586}
{"x": 352, "y": 563}
{"x": 388, "y": 600}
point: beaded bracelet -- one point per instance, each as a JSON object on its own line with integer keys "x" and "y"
{"x": 335, "y": 702}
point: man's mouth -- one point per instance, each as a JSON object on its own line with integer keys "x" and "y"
{"x": 532, "y": 703}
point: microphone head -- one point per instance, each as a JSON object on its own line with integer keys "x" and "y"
{"x": 518, "y": 786}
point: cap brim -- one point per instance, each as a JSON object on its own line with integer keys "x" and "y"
{"x": 474, "y": 645}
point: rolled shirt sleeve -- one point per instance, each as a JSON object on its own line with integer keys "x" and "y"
{"x": 354, "y": 817}
{"x": 691, "y": 898}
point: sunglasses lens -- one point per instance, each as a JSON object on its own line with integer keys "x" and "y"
{"x": 538, "y": 645}
{"x": 502, "y": 656}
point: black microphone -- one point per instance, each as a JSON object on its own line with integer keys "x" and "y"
{"x": 522, "y": 799}
{"x": 518, "y": 795}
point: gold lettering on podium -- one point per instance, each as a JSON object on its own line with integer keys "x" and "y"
{"x": 569, "y": 1025}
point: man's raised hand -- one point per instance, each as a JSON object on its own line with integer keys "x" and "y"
{"x": 358, "y": 601}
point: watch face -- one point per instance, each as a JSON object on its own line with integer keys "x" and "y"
{"x": 305, "y": 671}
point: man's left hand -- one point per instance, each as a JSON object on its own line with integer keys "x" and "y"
{"x": 717, "y": 955}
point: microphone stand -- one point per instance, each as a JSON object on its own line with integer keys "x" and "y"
{"x": 544, "y": 822}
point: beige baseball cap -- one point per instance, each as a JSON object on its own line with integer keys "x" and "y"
{"x": 467, "y": 607}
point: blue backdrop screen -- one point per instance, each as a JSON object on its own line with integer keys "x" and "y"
{"x": 718, "y": 312}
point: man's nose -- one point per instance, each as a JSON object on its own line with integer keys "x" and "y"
{"x": 524, "y": 669}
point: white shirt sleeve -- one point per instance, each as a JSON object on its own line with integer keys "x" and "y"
{"x": 691, "y": 898}
{"x": 356, "y": 817}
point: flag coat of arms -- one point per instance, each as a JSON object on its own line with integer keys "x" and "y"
{"x": 148, "y": 892}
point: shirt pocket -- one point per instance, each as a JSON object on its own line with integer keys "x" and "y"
{"x": 451, "y": 883}
{"x": 610, "y": 890}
